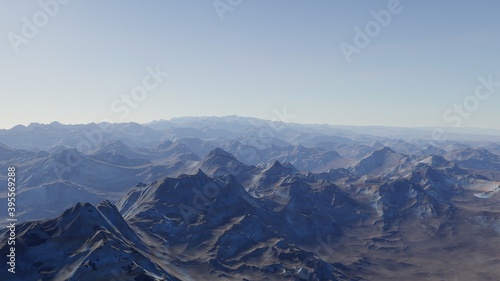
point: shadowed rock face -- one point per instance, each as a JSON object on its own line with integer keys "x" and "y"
{"x": 477, "y": 159}
{"x": 303, "y": 227}
{"x": 208, "y": 203}
{"x": 383, "y": 162}
{"x": 84, "y": 243}
{"x": 231, "y": 233}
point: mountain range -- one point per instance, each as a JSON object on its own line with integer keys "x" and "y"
{"x": 246, "y": 199}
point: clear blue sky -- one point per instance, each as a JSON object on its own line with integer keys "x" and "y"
{"x": 264, "y": 56}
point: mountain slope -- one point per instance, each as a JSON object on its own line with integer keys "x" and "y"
{"x": 85, "y": 243}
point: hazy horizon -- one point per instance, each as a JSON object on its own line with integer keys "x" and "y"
{"x": 383, "y": 63}
{"x": 461, "y": 130}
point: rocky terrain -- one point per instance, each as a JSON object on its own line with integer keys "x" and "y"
{"x": 202, "y": 200}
